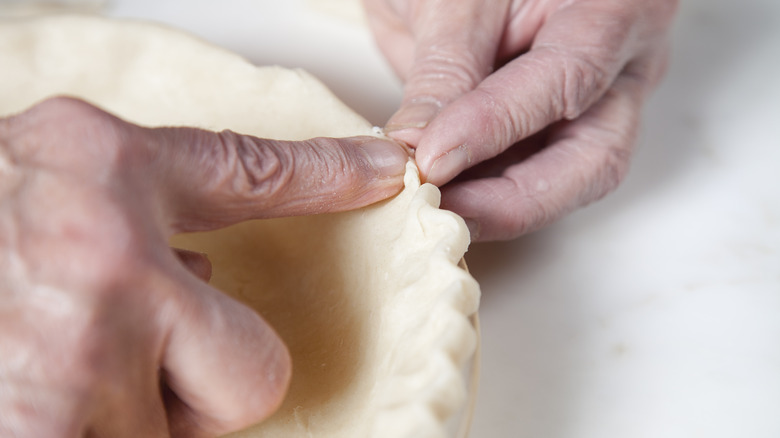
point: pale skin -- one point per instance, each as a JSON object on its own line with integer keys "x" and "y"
{"x": 521, "y": 111}
{"x": 105, "y": 331}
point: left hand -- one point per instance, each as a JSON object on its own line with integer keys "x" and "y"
{"x": 103, "y": 332}
{"x": 525, "y": 109}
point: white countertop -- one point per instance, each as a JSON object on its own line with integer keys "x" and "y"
{"x": 653, "y": 313}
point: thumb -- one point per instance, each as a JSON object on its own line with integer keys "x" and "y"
{"x": 224, "y": 368}
{"x": 455, "y": 49}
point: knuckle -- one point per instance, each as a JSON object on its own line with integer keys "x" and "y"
{"x": 279, "y": 172}
{"x": 332, "y": 169}
{"x": 76, "y": 131}
{"x": 504, "y": 121}
{"x": 104, "y": 241}
{"x": 585, "y": 70}
{"x": 67, "y": 112}
{"x": 583, "y": 80}
{"x": 444, "y": 72}
{"x": 98, "y": 260}
{"x": 607, "y": 161}
{"x": 255, "y": 170}
{"x": 537, "y": 209}
{"x": 614, "y": 166}
{"x": 333, "y": 162}
{"x": 523, "y": 207}
{"x": 63, "y": 106}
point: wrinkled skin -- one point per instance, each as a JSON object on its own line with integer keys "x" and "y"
{"x": 521, "y": 110}
{"x": 104, "y": 330}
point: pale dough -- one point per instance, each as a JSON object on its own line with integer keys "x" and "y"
{"x": 371, "y": 302}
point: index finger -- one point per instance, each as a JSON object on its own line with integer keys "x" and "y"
{"x": 215, "y": 179}
{"x": 454, "y": 50}
{"x": 575, "y": 58}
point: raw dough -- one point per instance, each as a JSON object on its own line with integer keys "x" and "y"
{"x": 371, "y": 302}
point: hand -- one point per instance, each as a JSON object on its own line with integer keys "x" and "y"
{"x": 539, "y": 100}
{"x": 103, "y": 331}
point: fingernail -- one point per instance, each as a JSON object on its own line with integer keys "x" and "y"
{"x": 448, "y": 166}
{"x": 410, "y": 136}
{"x": 386, "y": 157}
{"x": 473, "y": 227}
{"x": 197, "y": 262}
{"x": 414, "y": 116}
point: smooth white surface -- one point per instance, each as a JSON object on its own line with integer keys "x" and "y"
{"x": 653, "y": 313}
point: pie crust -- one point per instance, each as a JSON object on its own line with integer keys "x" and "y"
{"x": 376, "y": 311}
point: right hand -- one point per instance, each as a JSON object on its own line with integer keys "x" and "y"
{"x": 521, "y": 110}
{"x": 103, "y": 330}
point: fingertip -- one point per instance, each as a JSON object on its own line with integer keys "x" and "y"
{"x": 267, "y": 388}
{"x": 263, "y": 384}
{"x": 265, "y": 372}
{"x": 277, "y": 379}
{"x": 227, "y": 367}
{"x": 443, "y": 169}
{"x": 387, "y": 158}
